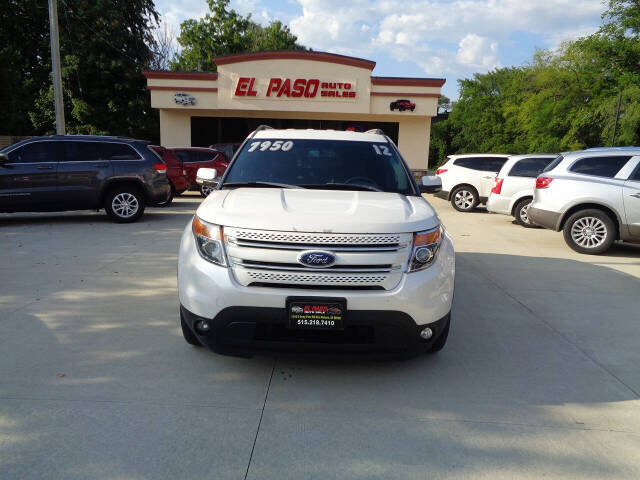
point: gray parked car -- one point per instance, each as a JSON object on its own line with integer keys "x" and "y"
{"x": 593, "y": 196}
{"x": 82, "y": 172}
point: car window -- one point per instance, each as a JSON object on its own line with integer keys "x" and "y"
{"x": 553, "y": 164}
{"x": 468, "y": 162}
{"x": 529, "y": 167}
{"x": 600, "y": 166}
{"x": 494, "y": 164}
{"x": 35, "y": 152}
{"x": 187, "y": 156}
{"x": 636, "y": 175}
{"x": 206, "y": 156}
{"x": 316, "y": 163}
{"x": 117, "y": 151}
{"x": 78, "y": 151}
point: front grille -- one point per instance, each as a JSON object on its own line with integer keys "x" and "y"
{"x": 315, "y": 286}
{"x": 316, "y": 278}
{"x": 317, "y": 239}
{"x": 260, "y": 258}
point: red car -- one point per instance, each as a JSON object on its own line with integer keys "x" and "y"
{"x": 175, "y": 173}
{"x": 402, "y": 105}
{"x": 194, "y": 158}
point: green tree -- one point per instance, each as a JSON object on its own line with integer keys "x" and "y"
{"x": 224, "y": 31}
{"x": 104, "y": 46}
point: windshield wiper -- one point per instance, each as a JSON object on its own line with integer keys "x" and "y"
{"x": 343, "y": 186}
{"x": 259, "y": 184}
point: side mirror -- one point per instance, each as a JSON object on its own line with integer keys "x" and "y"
{"x": 207, "y": 176}
{"x": 3, "y": 158}
{"x": 431, "y": 184}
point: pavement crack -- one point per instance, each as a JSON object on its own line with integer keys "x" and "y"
{"x": 264, "y": 405}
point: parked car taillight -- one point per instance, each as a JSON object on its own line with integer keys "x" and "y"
{"x": 497, "y": 188}
{"x": 160, "y": 167}
{"x": 543, "y": 182}
{"x": 441, "y": 171}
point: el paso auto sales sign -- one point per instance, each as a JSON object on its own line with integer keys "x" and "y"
{"x": 294, "y": 89}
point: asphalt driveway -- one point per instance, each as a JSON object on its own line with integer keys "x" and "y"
{"x": 540, "y": 378}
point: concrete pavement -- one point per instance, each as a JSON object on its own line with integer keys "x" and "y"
{"x": 540, "y": 376}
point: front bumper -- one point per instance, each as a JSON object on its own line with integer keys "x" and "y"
{"x": 419, "y": 299}
{"x": 250, "y": 330}
{"x": 545, "y": 218}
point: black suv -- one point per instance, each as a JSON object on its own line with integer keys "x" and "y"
{"x": 82, "y": 172}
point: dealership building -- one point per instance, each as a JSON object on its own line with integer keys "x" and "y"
{"x": 293, "y": 89}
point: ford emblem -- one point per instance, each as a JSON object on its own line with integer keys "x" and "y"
{"x": 316, "y": 259}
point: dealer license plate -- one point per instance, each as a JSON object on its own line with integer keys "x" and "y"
{"x": 316, "y": 315}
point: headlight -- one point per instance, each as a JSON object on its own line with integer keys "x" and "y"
{"x": 209, "y": 241}
{"x": 425, "y": 248}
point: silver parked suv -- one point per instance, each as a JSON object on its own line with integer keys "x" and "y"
{"x": 593, "y": 196}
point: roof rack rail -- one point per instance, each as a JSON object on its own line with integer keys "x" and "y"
{"x": 375, "y": 130}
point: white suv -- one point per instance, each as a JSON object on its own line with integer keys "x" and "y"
{"x": 316, "y": 240}
{"x": 593, "y": 196}
{"x": 513, "y": 190}
{"x": 467, "y": 179}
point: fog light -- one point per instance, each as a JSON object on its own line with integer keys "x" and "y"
{"x": 202, "y": 326}
{"x": 426, "y": 333}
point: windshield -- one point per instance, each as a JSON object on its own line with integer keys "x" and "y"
{"x": 337, "y": 164}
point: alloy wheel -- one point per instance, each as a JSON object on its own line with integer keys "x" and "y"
{"x": 589, "y": 232}
{"x": 464, "y": 199}
{"x": 125, "y": 205}
{"x": 206, "y": 190}
{"x": 524, "y": 213}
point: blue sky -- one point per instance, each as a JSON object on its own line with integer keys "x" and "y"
{"x": 419, "y": 38}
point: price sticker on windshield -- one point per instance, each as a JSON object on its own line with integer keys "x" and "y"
{"x": 268, "y": 145}
{"x": 381, "y": 150}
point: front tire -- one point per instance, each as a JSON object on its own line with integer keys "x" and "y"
{"x": 590, "y": 231}
{"x": 464, "y": 198}
{"x": 124, "y": 204}
{"x": 521, "y": 212}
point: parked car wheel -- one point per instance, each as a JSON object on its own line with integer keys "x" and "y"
{"x": 205, "y": 190}
{"x": 590, "y": 231}
{"x": 464, "y": 198}
{"x": 521, "y": 212}
{"x": 124, "y": 204}
{"x": 442, "y": 339}
{"x": 188, "y": 335}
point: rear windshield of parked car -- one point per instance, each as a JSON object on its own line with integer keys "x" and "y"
{"x": 320, "y": 162}
{"x": 484, "y": 164}
{"x": 553, "y": 164}
{"x": 529, "y": 167}
{"x": 607, "y": 166}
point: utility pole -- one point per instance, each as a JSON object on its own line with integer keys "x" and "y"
{"x": 55, "y": 67}
{"x": 615, "y": 125}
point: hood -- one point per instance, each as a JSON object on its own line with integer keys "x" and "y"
{"x": 325, "y": 211}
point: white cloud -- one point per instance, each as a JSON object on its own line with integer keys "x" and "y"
{"x": 477, "y": 52}
{"x": 470, "y": 34}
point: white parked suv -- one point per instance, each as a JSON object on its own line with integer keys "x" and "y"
{"x": 593, "y": 196}
{"x": 513, "y": 190}
{"x": 467, "y": 179}
{"x": 317, "y": 240}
